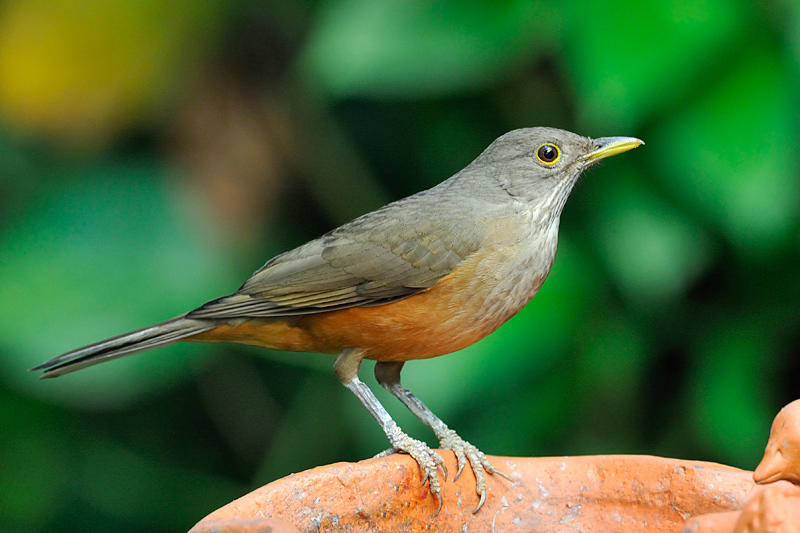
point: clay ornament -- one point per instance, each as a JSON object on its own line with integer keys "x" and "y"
{"x": 782, "y": 454}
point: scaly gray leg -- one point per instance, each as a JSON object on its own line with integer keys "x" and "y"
{"x": 388, "y": 375}
{"x": 346, "y": 367}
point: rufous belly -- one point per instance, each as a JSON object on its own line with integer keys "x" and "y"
{"x": 459, "y": 310}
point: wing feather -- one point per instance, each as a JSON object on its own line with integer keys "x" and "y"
{"x": 383, "y": 256}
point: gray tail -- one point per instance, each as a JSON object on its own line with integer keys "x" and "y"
{"x": 136, "y": 341}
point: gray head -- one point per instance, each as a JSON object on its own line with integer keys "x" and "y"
{"x": 540, "y": 165}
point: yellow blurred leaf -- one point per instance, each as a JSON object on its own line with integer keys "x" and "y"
{"x": 81, "y": 71}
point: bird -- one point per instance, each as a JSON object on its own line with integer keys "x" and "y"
{"x": 420, "y": 277}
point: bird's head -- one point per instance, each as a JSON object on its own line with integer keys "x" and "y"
{"x": 541, "y": 165}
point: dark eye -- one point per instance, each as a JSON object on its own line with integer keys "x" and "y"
{"x": 548, "y": 154}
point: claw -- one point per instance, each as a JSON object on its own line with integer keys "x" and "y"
{"x": 439, "y": 507}
{"x": 424, "y": 479}
{"x": 462, "y": 461}
{"x": 467, "y": 453}
{"x": 444, "y": 470}
{"x": 480, "y": 503}
{"x": 493, "y": 471}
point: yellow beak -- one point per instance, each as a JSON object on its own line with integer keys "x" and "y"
{"x": 608, "y": 146}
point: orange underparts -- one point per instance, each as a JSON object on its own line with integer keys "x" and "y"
{"x": 441, "y": 320}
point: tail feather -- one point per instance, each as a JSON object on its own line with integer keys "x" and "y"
{"x": 154, "y": 336}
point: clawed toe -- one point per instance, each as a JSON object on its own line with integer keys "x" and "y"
{"x": 430, "y": 463}
{"x": 492, "y": 470}
{"x": 466, "y": 452}
{"x": 440, "y": 462}
{"x": 480, "y": 503}
{"x": 462, "y": 461}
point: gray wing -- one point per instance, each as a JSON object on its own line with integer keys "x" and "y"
{"x": 383, "y": 256}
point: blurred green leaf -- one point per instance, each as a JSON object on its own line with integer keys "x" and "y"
{"x": 150, "y": 483}
{"x": 612, "y": 357}
{"x": 401, "y": 49}
{"x": 293, "y": 444}
{"x": 729, "y": 395}
{"x": 35, "y": 472}
{"x": 527, "y": 418}
{"x": 651, "y": 248}
{"x": 730, "y": 153}
{"x": 80, "y": 71}
{"x": 631, "y": 59}
{"x": 611, "y": 361}
{"x": 102, "y": 251}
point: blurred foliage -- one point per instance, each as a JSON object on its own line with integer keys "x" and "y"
{"x": 153, "y": 154}
{"x": 89, "y": 68}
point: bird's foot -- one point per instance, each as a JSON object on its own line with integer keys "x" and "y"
{"x": 429, "y": 461}
{"x": 464, "y": 452}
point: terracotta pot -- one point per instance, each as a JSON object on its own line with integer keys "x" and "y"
{"x": 591, "y": 493}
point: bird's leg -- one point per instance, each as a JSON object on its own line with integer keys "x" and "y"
{"x": 388, "y": 375}
{"x": 346, "y": 367}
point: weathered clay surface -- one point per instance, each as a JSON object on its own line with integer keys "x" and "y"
{"x": 773, "y": 506}
{"x": 553, "y": 494}
{"x": 713, "y": 523}
{"x": 774, "y": 509}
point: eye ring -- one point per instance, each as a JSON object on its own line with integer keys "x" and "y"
{"x": 548, "y": 154}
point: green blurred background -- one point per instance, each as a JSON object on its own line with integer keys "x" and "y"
{"x": 153, "y": 154}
